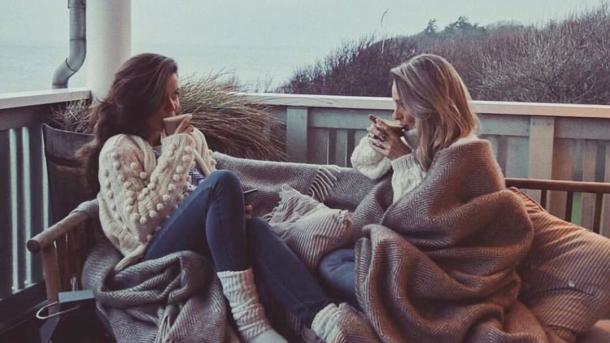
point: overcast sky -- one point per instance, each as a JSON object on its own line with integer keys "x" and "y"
{"x": 323, "y": 23}
{"x": 259, "y": 41}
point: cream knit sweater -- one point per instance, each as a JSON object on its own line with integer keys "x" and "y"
{"x": 138, "y": 191}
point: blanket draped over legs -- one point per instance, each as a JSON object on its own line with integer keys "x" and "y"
{"x": 436, "y": 266}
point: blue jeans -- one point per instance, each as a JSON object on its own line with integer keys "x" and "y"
{"x": 212, "y": 223}
{"x": 337, "y": 270}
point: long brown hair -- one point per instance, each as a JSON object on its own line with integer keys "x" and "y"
{"x": 432, "y": 91}
{"x": 137, "y": 92}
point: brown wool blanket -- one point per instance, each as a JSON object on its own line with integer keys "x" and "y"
{"x": 437, "y": 266}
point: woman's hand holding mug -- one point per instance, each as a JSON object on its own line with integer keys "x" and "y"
{"x": 385, "y": 138}
{"x": 178, "y": 124}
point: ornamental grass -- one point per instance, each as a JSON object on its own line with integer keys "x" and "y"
{"x": 231, "y": 124}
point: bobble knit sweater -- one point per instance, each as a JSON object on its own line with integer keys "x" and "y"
{"x": 138, "y": 191}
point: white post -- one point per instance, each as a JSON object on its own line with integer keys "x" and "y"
{"x": 108, "y": 42}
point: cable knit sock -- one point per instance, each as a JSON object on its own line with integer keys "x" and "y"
{"x": 238, "y": 287}
{"x": 342, "y": 324}
{"x": 324, "y": 321}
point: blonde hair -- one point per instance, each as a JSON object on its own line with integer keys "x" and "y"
{"x": 432, "y": 91}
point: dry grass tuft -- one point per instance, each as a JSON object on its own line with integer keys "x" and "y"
{"x": 72, "y": 117}
{"x": 231, "y": 125}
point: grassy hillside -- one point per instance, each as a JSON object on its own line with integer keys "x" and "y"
{"x": 564, "y": 61}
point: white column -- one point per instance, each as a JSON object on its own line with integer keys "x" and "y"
{"x": 108, "y": 42}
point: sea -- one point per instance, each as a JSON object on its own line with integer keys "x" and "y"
{"x": 27, "y": 67}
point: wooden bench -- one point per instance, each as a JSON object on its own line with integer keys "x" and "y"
{"x": 64, "y": 245}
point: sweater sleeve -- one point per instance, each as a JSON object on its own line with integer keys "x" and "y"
{"x": 407, "y": 175}
{"x": 142, "y": 192}
{"x": 368, "y": 161}
{"x": 204, "y": 154}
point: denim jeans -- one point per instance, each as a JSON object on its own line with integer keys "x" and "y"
{"x": 211, "y": 216}
{"x": 337, "y": 270}
{"x": 211, "y": 222}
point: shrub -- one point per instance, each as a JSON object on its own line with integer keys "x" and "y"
{"x": 562, "y": 61}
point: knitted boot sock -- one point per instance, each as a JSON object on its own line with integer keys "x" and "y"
{"x": 238, "y": 287}
{"x": 342, "y": 324}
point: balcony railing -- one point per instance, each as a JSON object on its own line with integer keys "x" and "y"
{"x": 24, "y": 195}
{"x": 530, "y": 140}
{"x": 570, "y": 142}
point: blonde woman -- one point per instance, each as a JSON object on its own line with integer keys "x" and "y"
{"x": 441, "y": 235}
{"x": 431, "y": 105}
{"x": 431, "y": 101}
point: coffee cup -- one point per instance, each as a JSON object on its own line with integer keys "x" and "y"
{"x": 393, "y": 124}
{"x": 172, "y": 123}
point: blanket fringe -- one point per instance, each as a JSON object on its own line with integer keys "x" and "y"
{"x": 164, "y": 327}
{"x": 267, "y": 217}
{"x": 323, "y": 182}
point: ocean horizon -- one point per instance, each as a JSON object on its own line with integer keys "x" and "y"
{"x": 28, "y": 67}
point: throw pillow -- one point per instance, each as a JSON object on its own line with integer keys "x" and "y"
{"x": 310, "y": 228}
{"x": 566, "y": 274}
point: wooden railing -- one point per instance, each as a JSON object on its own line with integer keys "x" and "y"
{"x": 530, "y": 140}
{"x": 570, "y": 187}
{"x": 543, "y": 141}
{"x": 24, "y": 195}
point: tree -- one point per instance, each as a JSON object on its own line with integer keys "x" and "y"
{"x": 462, "y": 26}
{"x": 432, "y": 28}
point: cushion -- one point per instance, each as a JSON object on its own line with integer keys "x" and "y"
{"x": 566, "y": 274}
{"x": 600, "y": 333}
{"x": 310, "y": 228}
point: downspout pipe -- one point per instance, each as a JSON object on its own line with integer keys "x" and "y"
{"x": 78, "y": 44}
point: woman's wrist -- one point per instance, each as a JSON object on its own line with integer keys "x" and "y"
{"x": 175, "y": 137}
{"x": 404, "y": 162}
{"x": 398, "y": 152}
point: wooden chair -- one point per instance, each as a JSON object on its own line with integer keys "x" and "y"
{"x": 64, "y": 245}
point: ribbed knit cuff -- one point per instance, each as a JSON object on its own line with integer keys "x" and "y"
{"x": 232, "y": 281}
{"x": 406, "y": 163}
{"x": 368, "y": 161}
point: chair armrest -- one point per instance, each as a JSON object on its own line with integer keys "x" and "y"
{"x": 43, "y": 243}
{"x": 48, "y": 236}
{"x": 560, "y": 185}
{"x": 85, "y": 210}
{"x": 54, "y": 260}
